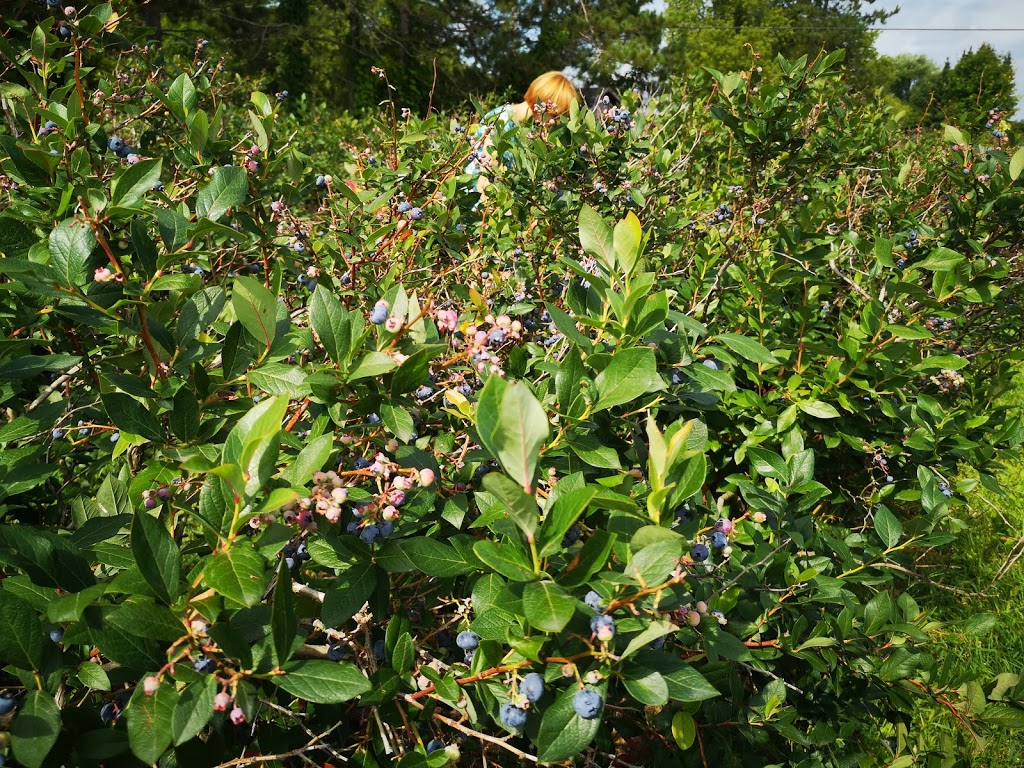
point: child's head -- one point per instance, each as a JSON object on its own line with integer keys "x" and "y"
{"x": 553, "y": 89}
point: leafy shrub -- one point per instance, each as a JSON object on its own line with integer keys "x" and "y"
{"x": 633, "y": 457}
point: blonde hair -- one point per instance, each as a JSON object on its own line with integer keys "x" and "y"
{"x": 553, "y": 89}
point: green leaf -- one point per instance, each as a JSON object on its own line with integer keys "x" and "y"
{"x": 887, "y": 527}
{"x": 1017, "y": 164}
{"x": 630, "y": 374}
{"x": 129, "y": 415}
{"x": 330, "y": 320}
{"x": 685, "y": 683}
{"x": 228, "y": 188}
{"x": 283, "y": 622}
{"x": 184, "y": 419}
{"x": 216, "y": 505}
{"x": 309, "y": 461}
{"x": 651, "y": 632}
{"x": 653, "y": 564}
{"x": 322, "y": 682}
{"x": 237, "y": 574}
{"x": 596, "y": 237}
{"x": 71, "y": 245}
{"x": 818, "y": 409}
{"x": 397, "y": 420}
{"x": 506, "y": 559}
{"x": 435, "y": 558}
{"x": 748, "y": 348}
{"x": 684, "y": 730}
{"x": 591, "y": 559}
{"x": 279, "y": 379}
{"x": 256, "y": 309}
{"x": 92, "y": 675}
{"x": 562, "y": 732}
{"x": 22, "y": 640}
{"x": 940, "y": 260}
{"x": 35, "y": 729}
{"x": 520, "y": 505}
{"x": 547, "y": 606}
{"x": 564, "y": 512}
{"x": 628, "y": 237}
{"x": 372, "y": 364}
{"x": 521, "y": 430}
{"x": 646, "y": 686}
{"x": 953, "y": 135}
{"x": 131, "y": 185}
{"x": 348, "y": 593}
{"x": 567, "y": 326}
{"x": 193, "y": 709}
{"x": 157, "y": 556}
{"x": 150, "y": 722}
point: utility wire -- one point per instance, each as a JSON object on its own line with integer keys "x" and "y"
{"x": 851, "y": 29}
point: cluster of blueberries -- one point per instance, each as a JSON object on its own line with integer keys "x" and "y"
{"x": 415, "y": 212}
{"x": 938, "y": 324}
{"x": 720, "y": 214}
{"x": 295, "y": 554}
{"x": 120, "y": 148}
{"x": 912, "y": 241}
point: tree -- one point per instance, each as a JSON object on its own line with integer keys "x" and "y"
{"x": 981, "y": 80}
{"x": 716, "y": 33}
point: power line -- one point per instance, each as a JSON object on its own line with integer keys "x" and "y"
{"x": 851, "y": 29}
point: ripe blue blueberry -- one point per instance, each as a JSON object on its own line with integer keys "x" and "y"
{"x": 711, "y": 363}
{"x": 657, "y": 643}
{"x": 56, "y": 634}
{"x": 159, "y": 187}
{"x": 379, "y": 314}
{"x": 424, "y": 392}
{"x": 378, "y": 650}
{"x": 373, "y": 419}
{"x": 593, "y": 601}
{"x": 298, "y": 246}
{"x": 50, "y": 126}
{"x": 416, "y": 213}
{"x": 434, "y": 745}
{"x": 699, "y": 553}
{"x": 58, "y": 434}
{"x": 572, "y": 535}
{"x": 204, "y": 665}
{"x": 321, "y": 181}
{"x": 114, "y": 144}
{"x": 587, "y": 703}
{"x": 370, "y": 533}
{"x": 64, "y": 30}
{"x": 719, "y": 540}
{"x": 512, "y": 716}
{"x": 109, "y": 712}
{"x": 532, "y": 686}
{"x": 404, "y": 206}
{"x": 337, "y": 652}
{"x": 467, "y": 640}
{"x": 361, "y": 463}
{"x": 386, "y": 528}
{"x": 7, "y": 702}
{"x": 497, "y": 336}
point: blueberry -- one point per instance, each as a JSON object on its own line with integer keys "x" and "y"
{"x": 321, "y": 181}
{"x": 7, "y": 703}
{"x": 373, "y": 419}
{"x": 711, "y": 363}
{"x": 434, "y": 745}
{"x": 378, "y": 650}
{"x": 53, "y": 3}
{"x": 571, "y": 536}
{"x": 603, "y": 626}
{"x": 57, "y": 634}
{"x": 159, "y": 187}
{"x": 379, "y": 314}
{"x": 361, "y": 463}
{"x": 386, "y": 528}
{"x": 109, "y": 712}
{"x": 512, "y": 716}
{"x": 532, "y": 686}
{"x": 699, "y": 553}
{"x": 302, "y": 552}
{"x": 50, "y": 126}
{"x": 404, "y": 207}
{"x": 337, "y": 652}
{"x": 299, "y": 246}
{"x": 370, "y": 533}
{"x": 482, "y": 470}
{"x": 683, "y": 514}
{"x": 497, "y": 336}
{"x": 416, "y": 214}
{"x": 469, "y": 656}
{"x": 719, "y": 540}
{"x": 587, "y": 703}
{"x": 467, "y": 640}
{"x": 123, "y": 151}
{"x": 290, "y": 563}
{"x": 204, "y": 665}
{"x": 58, "y": 434}
{"x": 657, "y": 643}
{"x": 593, "y": 601}
{"x": 424, "y": 392}
{"x": 114, "y": 144}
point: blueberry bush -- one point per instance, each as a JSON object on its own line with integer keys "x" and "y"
{"x": 313, "y": 455}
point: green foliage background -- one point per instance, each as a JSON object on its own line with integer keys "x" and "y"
{"x": 756, "y": 302}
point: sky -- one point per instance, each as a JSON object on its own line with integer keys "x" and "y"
{"x": 1003, "y": 15}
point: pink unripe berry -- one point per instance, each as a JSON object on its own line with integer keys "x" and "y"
{"x": 254, "y": 150}
{"x": 401, "y": 483}
{"x": 150, "y": 684}
{"x": 392, "y": 324}
{"x": 339, "y": 495}
{"x": 693, "y": 618}
{"x": 164, "y": 493}
{"x": 701, "y": 606}
{"x": 759, "y": 517}
{"x": 725, "y": 525}
{"x": 221, "y": 702}
{"x": 426, "y": 477}
{"x": 237, "y": 716}
{"x": 150, "y": 503}
{"x": 389, "y": 513}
